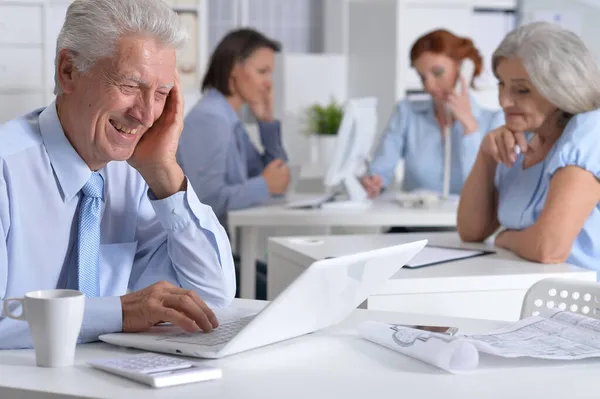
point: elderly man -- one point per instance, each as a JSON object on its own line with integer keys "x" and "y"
{"x": 91, "y": 195}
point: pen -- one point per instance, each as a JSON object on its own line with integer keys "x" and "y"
{"x": 368, "y": 167}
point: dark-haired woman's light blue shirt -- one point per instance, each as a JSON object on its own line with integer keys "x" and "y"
{"x": 217, "y": 156}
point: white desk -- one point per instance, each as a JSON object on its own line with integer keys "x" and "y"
{"x": 247, "y": 223}
{"x": 477, "y": 287}
{"x": 334, "y": 363}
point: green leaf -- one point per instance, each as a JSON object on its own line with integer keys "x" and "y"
{"x": 326, "y": 119}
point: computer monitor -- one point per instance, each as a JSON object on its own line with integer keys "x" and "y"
{"x": 354, "y": 140}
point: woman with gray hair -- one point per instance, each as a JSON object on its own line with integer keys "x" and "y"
{"x": 537, "y": 176}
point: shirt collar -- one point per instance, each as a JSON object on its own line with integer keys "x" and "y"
{"x": 71, "y": 170}
{"x": 219, "y": 100}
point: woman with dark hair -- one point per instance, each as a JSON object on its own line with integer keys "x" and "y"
{"x": 415, "y": 130}
{"x": 215, "y": 151}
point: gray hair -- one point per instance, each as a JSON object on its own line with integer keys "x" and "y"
{"x": 93, "y": 27}
{"x": 559, "y": 65}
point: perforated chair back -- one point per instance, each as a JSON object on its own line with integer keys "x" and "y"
{"x": 582, "y": 297}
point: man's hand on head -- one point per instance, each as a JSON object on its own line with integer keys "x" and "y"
{"x": 165, "y": 302}
{"x": 155, "y": 155}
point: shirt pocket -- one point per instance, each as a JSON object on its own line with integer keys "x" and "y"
{"x": 116, "y": 262}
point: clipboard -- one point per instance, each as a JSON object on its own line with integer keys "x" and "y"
{"x": 435, "y": 255}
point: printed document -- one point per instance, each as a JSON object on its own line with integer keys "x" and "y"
{"x": 554, "y": 334}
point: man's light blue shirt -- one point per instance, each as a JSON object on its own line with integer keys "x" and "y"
{"x": 143, "y": 241}
{"x": 218, "y": 157}
{"x": 413, "y": 134}
{"x": 522, "y": 192}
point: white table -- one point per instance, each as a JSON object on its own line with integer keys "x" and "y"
{"x": 246, "y": 224}
{"x": 334, "y": 363}
{"x": 476, "y": 287}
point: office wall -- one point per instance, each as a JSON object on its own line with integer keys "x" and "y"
{"x": 489, "y": 27}
{"x": 372, "y": 54}
{"x": 583, "y": 16}
{"x": 299, "y": 81}
{"x": 335, "y": 26}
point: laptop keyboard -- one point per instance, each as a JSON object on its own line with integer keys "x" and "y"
{"x": 219, "y": 336}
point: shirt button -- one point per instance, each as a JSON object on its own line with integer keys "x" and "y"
{"x": 174, "y": 211}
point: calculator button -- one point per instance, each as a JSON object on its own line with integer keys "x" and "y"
{"x": 147, "y": 363}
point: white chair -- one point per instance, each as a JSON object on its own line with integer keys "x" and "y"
{"x": 575, "y": 296}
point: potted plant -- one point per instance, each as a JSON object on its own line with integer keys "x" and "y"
{"x": 324, "y": 122}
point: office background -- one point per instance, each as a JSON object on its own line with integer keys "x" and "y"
{"x": 332, "y": 48}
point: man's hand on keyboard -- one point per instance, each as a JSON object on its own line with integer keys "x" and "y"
{"x": 165, "y": 302}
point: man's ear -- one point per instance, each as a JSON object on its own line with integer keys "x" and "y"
{"x": 65, "y": 71}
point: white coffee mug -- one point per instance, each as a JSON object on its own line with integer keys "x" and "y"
{"x": 54, "y": 318}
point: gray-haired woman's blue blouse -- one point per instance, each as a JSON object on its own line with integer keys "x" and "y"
{"x": 413, "y": 134}
{"x": 522, "y": 192}
{"x": 217, "y": 156}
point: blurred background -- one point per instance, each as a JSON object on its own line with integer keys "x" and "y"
{"x": 332, "y": 50}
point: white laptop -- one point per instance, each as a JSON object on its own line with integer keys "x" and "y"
{"x": 323, "y": 295}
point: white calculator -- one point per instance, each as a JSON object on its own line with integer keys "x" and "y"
{"x": 156, "y": 370}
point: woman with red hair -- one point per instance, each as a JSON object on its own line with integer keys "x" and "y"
{"x": 415, "y": 130}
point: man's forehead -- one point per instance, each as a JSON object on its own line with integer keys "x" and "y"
{"x": 145, "y": 61}
{"x": 137, "y": 76}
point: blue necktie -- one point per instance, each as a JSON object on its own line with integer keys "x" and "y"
{"x": 88, "y": 235}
